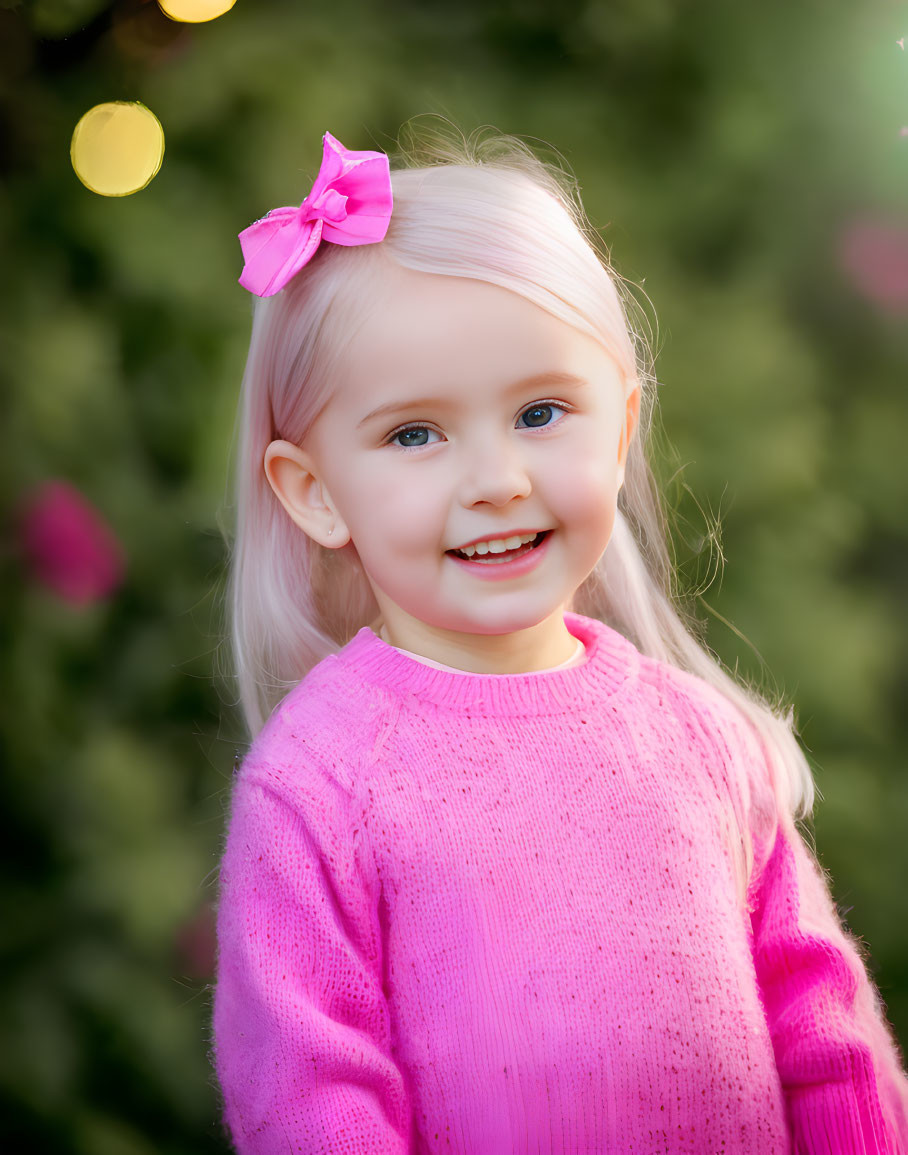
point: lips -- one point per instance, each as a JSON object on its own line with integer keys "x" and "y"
{"x": 509, "y": 566}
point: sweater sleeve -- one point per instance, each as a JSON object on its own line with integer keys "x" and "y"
{"x": 300, "y": 1021}
{"x": 837, "y": 1060}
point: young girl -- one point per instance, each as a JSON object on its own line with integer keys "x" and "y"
{"x": 512, "y": 863}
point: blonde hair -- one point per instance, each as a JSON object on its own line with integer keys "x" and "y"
{"x": 486, "y": 207}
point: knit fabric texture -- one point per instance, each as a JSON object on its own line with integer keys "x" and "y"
{"x": 559, "y": 912}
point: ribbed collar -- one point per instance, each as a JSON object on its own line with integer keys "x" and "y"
{"x": 612, "y": 660}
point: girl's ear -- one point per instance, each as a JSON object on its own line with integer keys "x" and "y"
{"x": 293, "y": 475}
{"x": 631, "y": 418}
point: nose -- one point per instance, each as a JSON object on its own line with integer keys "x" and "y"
{"x": 494, "y": 472}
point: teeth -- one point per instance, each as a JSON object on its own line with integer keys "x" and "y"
{"x": 497, "y": 545}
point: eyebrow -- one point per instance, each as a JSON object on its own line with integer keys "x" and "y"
{"x": 536, "y": 380}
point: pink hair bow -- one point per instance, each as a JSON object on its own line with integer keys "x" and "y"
{"x": 350, "y": 204}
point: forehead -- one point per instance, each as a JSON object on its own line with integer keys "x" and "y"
{"x": 427, "y": 328}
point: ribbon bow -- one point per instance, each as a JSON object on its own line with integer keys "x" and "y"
{"x": 350, "y": 204}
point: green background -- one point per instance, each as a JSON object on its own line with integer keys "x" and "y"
{"x": 723, "y": 150}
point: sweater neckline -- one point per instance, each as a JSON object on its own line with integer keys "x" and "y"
{"x": 611, "y": 661}
{"x": 578, "y": 656}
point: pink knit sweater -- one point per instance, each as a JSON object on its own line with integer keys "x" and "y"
{"x": 548, "y": 912}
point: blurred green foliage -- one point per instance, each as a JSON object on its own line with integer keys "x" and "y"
{"x": 721, "y": 149}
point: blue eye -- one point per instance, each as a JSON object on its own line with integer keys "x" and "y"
{"x": 402, "y": 432}
{"x": 415, "y": 428}
{"x": 540, "y": 407}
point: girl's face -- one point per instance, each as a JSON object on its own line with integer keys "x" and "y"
{"x": 465, "y": 413}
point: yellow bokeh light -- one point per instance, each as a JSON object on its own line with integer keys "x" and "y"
{"x": 195, "y": 11}
{"x": 117, "y": 148}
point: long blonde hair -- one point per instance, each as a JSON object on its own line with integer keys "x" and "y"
{"x": 486, "y": 207}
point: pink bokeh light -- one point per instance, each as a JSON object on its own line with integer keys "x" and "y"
{"x": 874, "y": 254}
{"x": 67, "y": 546}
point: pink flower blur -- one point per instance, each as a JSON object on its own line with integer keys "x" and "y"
{"x": 68, "y": 546}
{"x": 875, "y": 255}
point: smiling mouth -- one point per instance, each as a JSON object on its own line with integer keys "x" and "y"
{"x": 506, "y": 555}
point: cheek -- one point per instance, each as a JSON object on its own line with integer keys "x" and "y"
{"x": 584, "y": 488}
{"x": 396, "y": 516}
